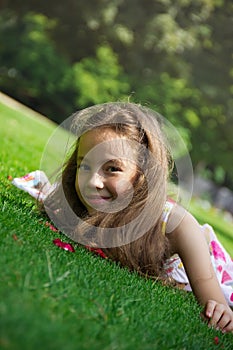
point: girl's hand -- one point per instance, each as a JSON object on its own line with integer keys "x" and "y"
{"x": 219, "y": 316}
{"x": 188, "y": 241}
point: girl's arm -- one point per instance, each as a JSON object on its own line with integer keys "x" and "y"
{"x": 189, "y": 243}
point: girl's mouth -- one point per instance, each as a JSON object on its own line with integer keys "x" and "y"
{"x": 97, "y": 199}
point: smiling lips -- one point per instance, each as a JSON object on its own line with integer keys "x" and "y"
{"x": 97, "y": 199}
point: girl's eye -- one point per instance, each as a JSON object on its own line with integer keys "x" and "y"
{"x": 113, "y": 169}
{"x": 114, "y": 166}
{"x": 83, "y": 167}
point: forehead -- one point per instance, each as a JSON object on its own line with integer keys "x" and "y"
{"x": 104, "y": 143}
{"x": 95, "y": 136}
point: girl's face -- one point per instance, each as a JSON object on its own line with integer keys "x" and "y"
{"x": 106, "y": 170}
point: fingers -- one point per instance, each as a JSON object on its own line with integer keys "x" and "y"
{"x": 228, "y": 328}
{"x": 219, "y": 316}
{"x": 209, "y": 310}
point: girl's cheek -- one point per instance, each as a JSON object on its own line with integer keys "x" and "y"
{"x": 123, "y": 186}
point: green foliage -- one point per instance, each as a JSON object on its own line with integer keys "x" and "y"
{"x": 31, "y": 67}
{"x": 99, "y": 79}
{"x": 175, "y": 100}
{"x": 38, "y": 73}
{"x": 61, "y": 300}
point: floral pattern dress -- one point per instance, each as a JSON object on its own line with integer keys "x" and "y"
{"x": 221, "y": 261}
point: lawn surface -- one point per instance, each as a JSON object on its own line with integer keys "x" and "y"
{"x": 55, "y": 299}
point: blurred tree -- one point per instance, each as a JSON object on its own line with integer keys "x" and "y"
{"x": 211, "y": 71}
{"x": 31, "y": 68}
{"x": 174, "y": 99}
{"x": 145, "y": 34}
{"x": 100, "y": 79}
{"x": 40, "y": 76}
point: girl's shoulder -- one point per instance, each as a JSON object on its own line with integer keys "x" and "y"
{"x": 173, "y": 215}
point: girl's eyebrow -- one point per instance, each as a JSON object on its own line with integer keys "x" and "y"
{"x": 115, "y": 161}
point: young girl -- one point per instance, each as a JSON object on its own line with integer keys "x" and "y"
{"x": 113, "y": 195}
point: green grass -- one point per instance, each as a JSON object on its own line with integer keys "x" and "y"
{"x": 54, "y": 299}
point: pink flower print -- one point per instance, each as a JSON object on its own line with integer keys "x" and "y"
{"x": 219, "y": 268}
{"x": 217, "y": 251}
{"x": 226, "y": 277}
{"x": 231, "y": 297}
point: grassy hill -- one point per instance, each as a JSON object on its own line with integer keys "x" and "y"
{"x": 54, "y": 299}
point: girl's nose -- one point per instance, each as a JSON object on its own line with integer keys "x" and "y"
{"x": 96, "y": 180}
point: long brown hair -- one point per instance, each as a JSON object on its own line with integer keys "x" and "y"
{"x": 138, "y": 244}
